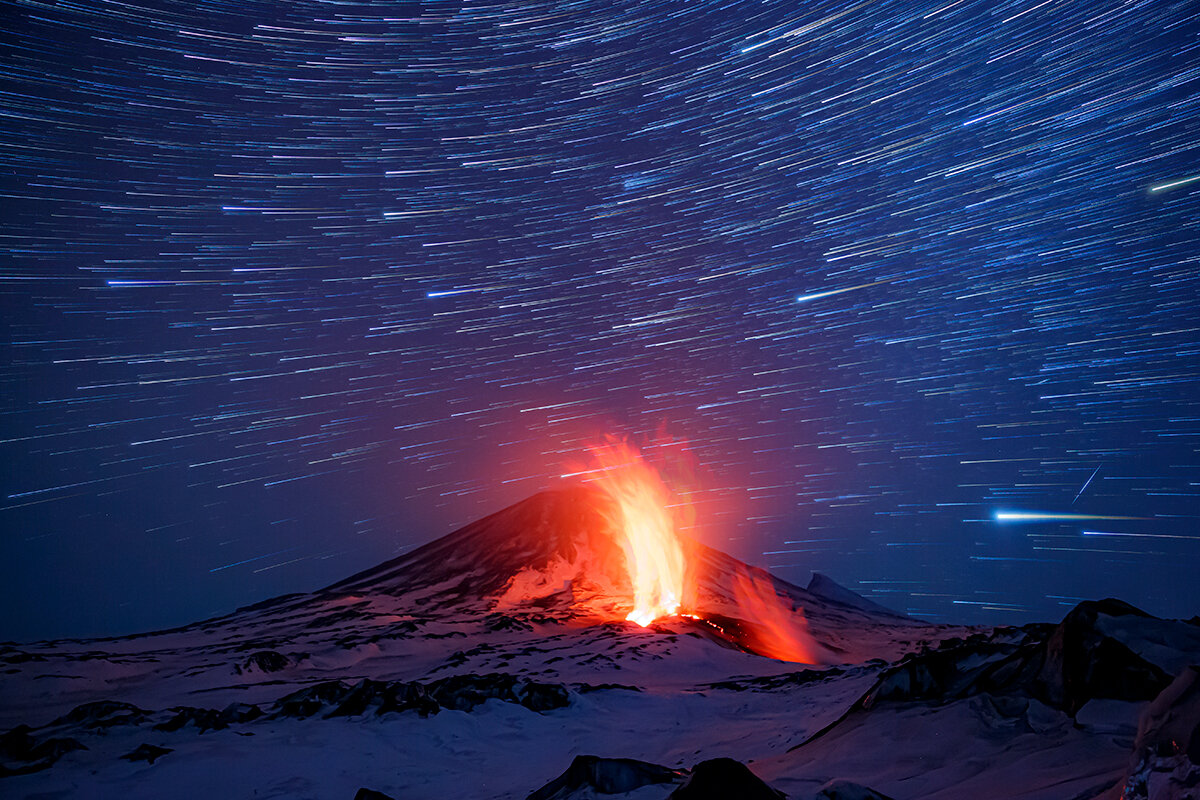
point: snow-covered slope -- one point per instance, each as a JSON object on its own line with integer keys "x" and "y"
{"x": 483, "y": 663}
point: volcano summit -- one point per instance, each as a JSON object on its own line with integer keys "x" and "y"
{"x": 498, "y": 662}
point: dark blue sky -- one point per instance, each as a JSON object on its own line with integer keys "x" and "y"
{"x": 291, "y": 287}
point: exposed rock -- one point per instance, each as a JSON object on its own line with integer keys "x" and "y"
{"x": 310, "y": 700}
{"x": 589, "y": 774}
{"x": 206, "y": 719}
{"x": 11, "y": 655}
{"x": 1166, "y": 754}
{"x": 958, "y": 669}
{"x": 723, "y": 779}
{"x": 103, "y": 714}
{"x": 370, "y": 794}
{"x": 1081, "y": 662}
{"x": 350, "y": 614}
{"x": 22, "y": 753}
{"x": 847, "y": 790}
{"x": 585, "y": 688}
{"x": 263, "y": 661}
{"x": 504, "y": 622}
{"x": 458, "y": 693}
{"x": 385, "y": 698}
{"x": 542, "y": 696}
{"x": 147, "y": 753}
{"x": 240, "y": 712}
{"x": 773, "y": 682}
{"x": 1075, "y": 662}
{"x": 464, "y": 692}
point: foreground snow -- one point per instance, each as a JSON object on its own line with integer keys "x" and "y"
{"x": 431, "y": 677}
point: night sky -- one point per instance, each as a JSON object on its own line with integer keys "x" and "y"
{"x": 290, "y": 288}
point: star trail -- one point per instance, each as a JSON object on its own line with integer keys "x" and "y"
{"x": 290, "y": 288}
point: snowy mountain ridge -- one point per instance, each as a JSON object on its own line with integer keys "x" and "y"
{"x": 500, "y": 646}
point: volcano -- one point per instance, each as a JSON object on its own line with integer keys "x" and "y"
{"x": 497, "y": 662}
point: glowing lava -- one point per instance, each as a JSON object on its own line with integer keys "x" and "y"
{"x": 782, "y": 631}
{"x": 642, "y": 515}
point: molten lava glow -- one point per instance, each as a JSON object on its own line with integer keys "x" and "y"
{"x": 643, "y": 517}
{"x": 782, "y": 631}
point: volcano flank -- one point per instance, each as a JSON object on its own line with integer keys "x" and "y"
{"x": 498, "y": 662}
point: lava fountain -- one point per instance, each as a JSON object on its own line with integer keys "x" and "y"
{"x": 643, "y": 519}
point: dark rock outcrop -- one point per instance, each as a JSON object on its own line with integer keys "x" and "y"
{"x": 848, "y": 790}
{"x": 263, "y": 661}
{"x": 209, "y": 719}
{"x": 592, "y": 774}
{"x": 1166, "y": 754}
{"x": 147, "y": 752}
{"x": 457, "y": 693}
{"x": 102, "y": 714}
{"x": 505, "y": 622}
{"x": 980, "y": 664}
{"x": 24, "y": 750}
{"x": 464, "y": 692}
{"x": 772, "y": 683}
{"x": 311, "y": 700}
{"x": 370, "y": 794}
{"x": 1079, "y": 660}
{"x": 722, "y": 779}
{"x": 22, "y": 753}
{"x": 384, "y": 697}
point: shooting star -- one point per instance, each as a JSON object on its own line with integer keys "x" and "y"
{"x": 1043, "y": 516}
{"x": 1086, "y": 484}
{"x": 1172, "y": 184}
{"x": 804, "y": 298}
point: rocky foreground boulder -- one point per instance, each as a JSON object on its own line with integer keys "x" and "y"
{"x": 1092, "y": 654}
{"x": 715, "y": 779}
{"x": 1166, "y": 754}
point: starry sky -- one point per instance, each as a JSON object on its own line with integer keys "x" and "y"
{"x": 290, "y": 288}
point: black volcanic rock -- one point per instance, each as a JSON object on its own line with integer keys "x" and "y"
{"x": 206, "y": 719}
{"x": 592, "y": 774}
{"x": 724, "y": 779}
{"x": 1172, "y": 721}
{"x": 1166, "y": 754}
{"x": 102, "y": 714}
{"x": 311, "y": 700}
{"x": 770, "y": 683}
{"x": 1081, "y": 661}
{"x": 542, "y": 696}
{"x": 848, "y": 790}
{"x": 464, "y": 692}
{"x": 504, "y": 622}
{"x": 370, "y": 794}
{"x": 264, "y": 661}
{"x": 458, "y": 693}
{"x": 147, "y": 752}
{"x": 959, "y": 669}
{"x": 22, "y": 753}
{"x": 11, "y": 655}
{"x": 385, "y": 697}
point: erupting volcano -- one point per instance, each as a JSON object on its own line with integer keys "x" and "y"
{"x": 496, "y": 659}
{"x": 654, "y": 554}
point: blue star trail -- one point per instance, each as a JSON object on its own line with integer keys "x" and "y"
{"x": 328, "y": 279}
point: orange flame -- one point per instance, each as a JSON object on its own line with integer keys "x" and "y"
{"x": 653, "y": 551}
{"x": 782, "y": 630}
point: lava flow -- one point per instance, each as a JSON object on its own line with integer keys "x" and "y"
{"x": 643, "y": 516}
{"x": 653, "y": 551}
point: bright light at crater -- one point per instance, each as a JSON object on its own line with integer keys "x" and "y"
{"x": 646, "y": 528}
